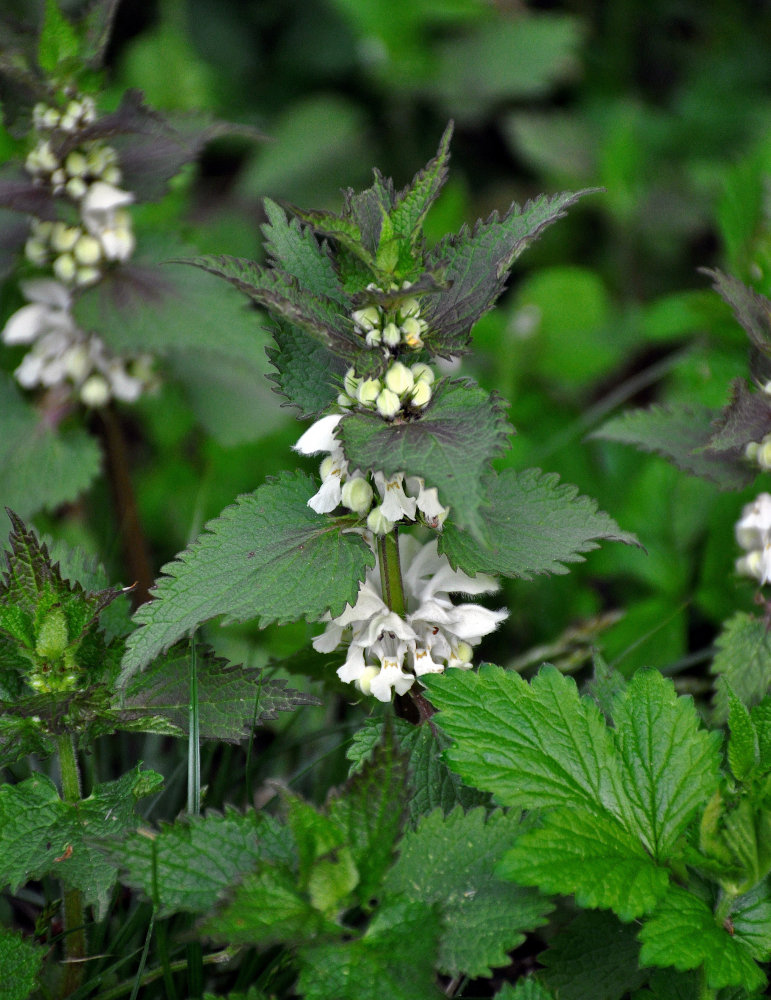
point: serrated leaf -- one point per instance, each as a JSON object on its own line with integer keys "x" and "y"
{"x": 670, "y": 764}
{"x": 450, "y": 861}
{"x": 232, "y": 699}
{"x": 39, "y": 467}
{"x": 29, "y": 812}
{"x": 268, "y": 557}
{"x": 752, "y": 310}
{"x": 450, "y": 446}
{"x": 394, "y": 958}
{"x": 412, "y": 204}
{"x": 743, "y": 746}
{"x": 534, "y": 746}
{"x": 535, "y": 525}
{"x": 345, "y": 231}
{"x": 307, "y": 374}
{"x": 747, "y": 417}
{"x": 371, "y": 808}
{"x": 21, "y": 960}
{"x": 294, "y": 249}
{"x": 187, "y": 865}
{"x": 744, "y": 658}
{"x": 594, "y": 958}
{"x": 527, "y": 988}
{"x": 476, "y": 264}
{"x": 681, "y": 434}
{"x": 593, "y": 857}
{"x": 683, "y": 933}
{"x": 59, "y": 44}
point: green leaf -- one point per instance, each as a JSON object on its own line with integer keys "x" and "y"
{"x": 394, "y": 958}
{"x": 21, "y": 960}
{"x": 371, "y": 808}
{"x": 307, "y": 374}
{"x": 744, "y": 659}
{"x": 594, "y": 958}
{"x": 294, "y": 248}
{"x": 749, "y": 308}
{"x": 670, "y": 764}
{"x": 40, "y": 468}
{"x": 743, "y": 746}
{"x": 232, "y": 699}
{"x": 534, "y": 746}
{"x": 746, "y": 418}
{"x": 535, "y": 525}
{"x": 576, "y": 852}
{"x": 59, "y": 45}
{"x": 412, "y": 204}
{"x": 187, "y": 865}
{"x": 681, "y": 434}
{"x": 527, "y": 988}
{"x": 451, "y": 861}
{"x": 449, "y": 446}
{"x": 476, "y": 265}
{"x": 683, "y": 933}
{"x": 268, "y": 557}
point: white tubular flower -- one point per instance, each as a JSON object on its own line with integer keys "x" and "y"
{"x": 427, "y": 501}
{"x": 753, "y": 529}
{"x": 102, "y": 210}
{"x": 387, "y": 653}
{"x": 396, "y": 504}
{"x": 320, "y": 436}
{"x": 49, "y": 312}
{"x": 317, "y": 439}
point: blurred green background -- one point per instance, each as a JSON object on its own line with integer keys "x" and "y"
{"x": 666, "y": 104}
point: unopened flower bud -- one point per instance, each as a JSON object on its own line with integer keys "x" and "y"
{"x": 378, "y": 523}
{"x": 388, "y": 404}
{"x": 87, "y": 110}
{"x": 367, "y": 319}
{"x": 764, "y": 454}
{"x": 392, "y": 335}
{"x": 327, "y": 467}
{"x": 76, "y": 164}
{"x": 364, "y": 681}
{"x": 423, "y": 372}
{"x": 87, "y": 276}
{"x": 52, "y": 639}
{"x": 36, "y": 251}
{"x": 345, "y": 401}
{"x": 112, "y": 175}
{"x": 95, "y": 391}
{"x": 368, "y": 391}
{"x": 87, "y": 250}
{"x": 373, "y": 338}
{"x": 77, "y": 362}
{"x": 421, "y": 394}
{"x": 45, "y": 157}
{"x": 399, "y": 378}
{"x": 64, "y": 238}
{"x": 65, "y": 268}
{"x": 58, "y": 180}
{"x": 410, "y": 307}
{"x": 412, "y": 329}
{"x": 350, "y": 382}
{"x": 357, "y": 495}
{"x": 76, "y": 187}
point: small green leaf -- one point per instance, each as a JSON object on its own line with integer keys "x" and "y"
{"x": 577, "y": 852}
{"x": 450, "y": 446}
{"x": 412, "y": 204}
{"x": 307, "y": 374}
{"x": 743, "y": 747}
{"x": 394, "y": 958}
{"x": 594, "y": 958}
{"x": 535, "y": 525}
{"x": 451, "y": 861}
{"x": 295, "y": 249}
{"x": 683, "y": 933}
{"x": 527, "y": 988}
{"x": 752, "y": 310}
{"x": 744, "y": 659}
{"x": 681, "y": 434}
{"x": 59, "y": 44}
{"x": 268, "y": 557}
{"x": 21, "y": 961}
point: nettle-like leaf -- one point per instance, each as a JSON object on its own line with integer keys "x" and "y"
{"x": 412, "y": 204}
{"x": 40, "y": 468}
{"x": 42, "y": 835}
{"x": 450, "y": 861}
{"x": 232, "y": 699}
{"x": 681, "y": 434}
{"x": 743, "y": 658}
{"x": 307, "y": 374}
{"x": 450, "y": 446}
{"x": 394, "y": 958}
{"x": 595, "y": 957}
{"x": 534, "y": 524}
{"x": 187, "y": 865}
{"x": 268, "y": 557}
{"x": 751, "y": 309}
{"x": 527, "y": 988}
{"x": 746, "y": 418}
{"x": 21, "y": 961}
{"x": 614, "y": 803}
{"x": 476, "y": 264}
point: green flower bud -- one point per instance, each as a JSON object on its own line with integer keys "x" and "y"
{"x": 58, "y": 180}
{"x": 327, "y": 467}
{"x": 764, "y": 454}
{"x": 76, "y": 164}
{"x": 368, "y": 391}
{"x": 65, "y": 268}
{"x": 412, "y": 329}
{"x": 52, "y": 637}
{"x": 388, "y": 404}
{"x": 421, "y": 394}
{"x": 399, "y": 378}
{"x": 88, "y": 250}
{"x": 95, "y": 391}
{"x": 378, "y": 523}
{"x": 751, "y": 451}
{"x": 36, "y": 251}
{"x": 87, "y": 276}
{"x": 77, "y": 362}
{"x": 64, "y": 238}
{"x": 367, "y": 676}
{"x": 423, "y": 373}
{"x": 367, "y": 319}
{"x": 112, "y": 175}
{"x": 345, "y": 401}
{"x": 76, "y": 187}
{"x": 351, "y": 382}
{"x": 46, "y": 158}
{"x": 410, "y": 307}
{"x": 392, "y": 335}
{"x": 357, "y": 495}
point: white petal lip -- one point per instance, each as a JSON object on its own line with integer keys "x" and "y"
{"x": 103, "y": 198}
{"x": 328, "y": 496}
{"x": 47, "y": 292}
{"x": 319, "y": 436}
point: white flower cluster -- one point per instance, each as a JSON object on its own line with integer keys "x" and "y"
{"x": 392, "y": 328}
{"x": 386, "y": 652}
{"x": 753, "y": 533}
{"x": 62, "y": 353}
{"x": 353, "y": 489}
{"x": 400, "y": 389}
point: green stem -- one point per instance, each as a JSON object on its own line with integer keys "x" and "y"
{"x": 391, "y": 572}
{"x": 705, "y": 991}
{"x": 74, "y": 919}
{"x": 155, "y": 974}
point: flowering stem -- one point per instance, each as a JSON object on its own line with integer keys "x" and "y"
{"x": 74, "y": 921}
{"x": 391, "y": 572}
{"x": 129, "y": 526}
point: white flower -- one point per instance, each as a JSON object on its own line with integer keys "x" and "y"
{"x": 102, "y": 211}
{"x": 396, "y": 504}
{"x": 49, "y": 312}
{"x": 319, "y": 438}
{"x": 433, "y": 635}
{"x": 754, "y": 526}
